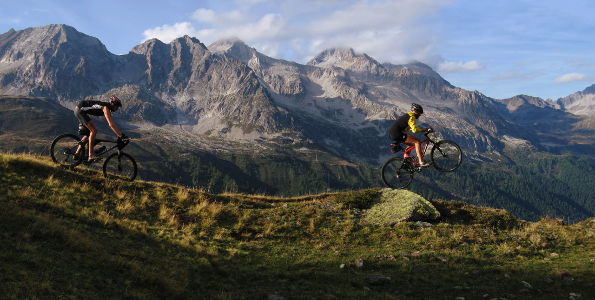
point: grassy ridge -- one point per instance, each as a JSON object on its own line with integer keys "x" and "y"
{"x": 74, "y": 234}
{"x": 529, "y": 185}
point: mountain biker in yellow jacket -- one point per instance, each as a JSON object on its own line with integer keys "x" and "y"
{"x": 405, "y": 123}
{"x": 96, "y": 108}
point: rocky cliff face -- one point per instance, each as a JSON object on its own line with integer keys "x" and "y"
{"x": 207, "y": 89}
{"x": 178, "y": 83}
{"x": 341, "y": 101}
{"x": 580, "y": 103}
{"x": 53, "y": 61}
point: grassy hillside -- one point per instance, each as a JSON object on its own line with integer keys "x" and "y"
{"x": 530, "y": 185}
{"x": 73, "y": 234}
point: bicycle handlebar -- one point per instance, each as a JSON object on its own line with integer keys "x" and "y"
{"x": 428, "y": 131}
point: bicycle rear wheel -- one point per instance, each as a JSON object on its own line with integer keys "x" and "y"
{"x": 120, "y": 166}
{"x": 446, "y": 156}
{"x": 63, "y": 150}
{"x": 397, "y": 173}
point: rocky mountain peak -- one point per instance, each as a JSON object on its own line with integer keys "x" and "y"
{"x": 10, "y": 32}
{"x": 61, "y": 34}
{"x": 345, "y": 58}
{"x": 580, "y": 103}
{"x": 413, "y": 68}
{"x": 52, "y": 61}
{"x": 181, "y": 48}
{"x": 65, "y": 32}
{"x": 60, "y": 37}
{"x": 589, "y": 90}
{"x": 514, "y": 103}
{"x": 224, "y": 45}
{"x": 189, "y": 41}
{"x": 147, "y": 46}
{"x": 233, "y": 47}
{"x": 332, "y": 55}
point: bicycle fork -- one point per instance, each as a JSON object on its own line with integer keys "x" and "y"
{"x": 119, "y": 161}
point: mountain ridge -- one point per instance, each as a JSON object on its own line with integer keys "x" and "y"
{"x": 351, "y": 96}
{"x": 581, "y": 103}
{"x": 231, "y": 118}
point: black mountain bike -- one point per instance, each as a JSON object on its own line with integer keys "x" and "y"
{"x": 117, "y": 165}
{"x": 397, "y": 172}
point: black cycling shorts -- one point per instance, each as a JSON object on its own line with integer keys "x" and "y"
{"x": 81, "y": 116}
{"x": 398, "y": 137}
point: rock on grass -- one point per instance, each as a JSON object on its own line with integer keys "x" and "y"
{"x": 400, "y": 205}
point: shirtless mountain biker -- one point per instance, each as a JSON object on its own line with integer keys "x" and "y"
{"x": 96, "y": 108}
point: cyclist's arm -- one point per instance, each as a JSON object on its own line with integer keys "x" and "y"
{"x": 413, "y": 124}
{"x": 110, "y": 122}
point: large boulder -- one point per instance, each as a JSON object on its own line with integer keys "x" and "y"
{"x": 397, "y": 206}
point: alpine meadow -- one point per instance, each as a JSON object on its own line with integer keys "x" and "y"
{"x": 259, "y": 178}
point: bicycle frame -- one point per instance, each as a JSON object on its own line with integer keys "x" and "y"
{"x": 424, "y": 147}
{"x": 117, "y": 144}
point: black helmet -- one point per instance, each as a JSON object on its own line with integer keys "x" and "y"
{"x": 115, "y": 101}
{"x": 417, "y": 108}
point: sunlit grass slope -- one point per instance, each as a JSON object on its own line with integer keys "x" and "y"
{"x": 73, "y": 234}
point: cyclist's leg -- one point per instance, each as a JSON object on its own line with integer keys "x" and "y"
{"x": 93, "y": 131}
{"x": 411, "y": 140}
{"x": 84, "y": 120}
{"x": 82, "y": 142}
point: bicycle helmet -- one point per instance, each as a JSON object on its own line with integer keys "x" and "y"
{"x": 115, "y": 101}
{"x": 417, "y": 108}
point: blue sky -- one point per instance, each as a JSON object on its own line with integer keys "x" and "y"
{"x": 501, "y": 48}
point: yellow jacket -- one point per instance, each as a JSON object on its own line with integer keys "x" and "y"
{"x": 413, "y": 123}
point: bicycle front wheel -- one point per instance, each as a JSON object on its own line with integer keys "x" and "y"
{"x": 63, "y": 150}
{"x": 446, "y": 156}
{"x": 397, "y": 173}
{"x": 120, "y": 166}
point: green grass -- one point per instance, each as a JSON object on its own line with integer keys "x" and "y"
{"x": 73, "y": 234}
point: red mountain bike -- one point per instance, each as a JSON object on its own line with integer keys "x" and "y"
{"x": 397, "y": 172}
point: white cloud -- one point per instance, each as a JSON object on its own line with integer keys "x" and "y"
{"x": 270, "y": 49}
{"x": 390, "y": 31}
{"x": 266, "y": 30}
{"x": 204, "y": 15}
{"x": 234, "y": 16}
{"x": 570, "y": 77}
{"x": 168, "y": 33}
{"x": 209, "y": 16}
{"x": 363, "y": 16}
{"x": 457, "y": 67}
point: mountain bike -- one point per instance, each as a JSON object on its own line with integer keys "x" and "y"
{"x": 397, "y": 172}
{"x": 117, "y": 165}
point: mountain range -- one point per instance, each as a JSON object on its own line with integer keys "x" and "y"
{"x": 228, "y": 97}
{"x": 340, "y": 101}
